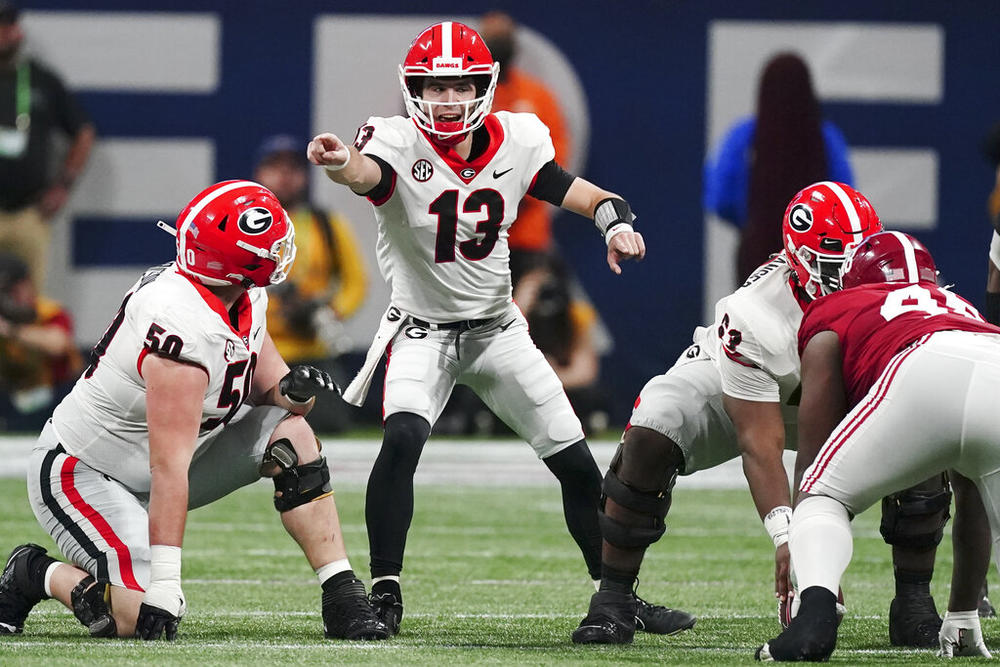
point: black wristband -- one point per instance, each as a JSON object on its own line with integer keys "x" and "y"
{"x": 610, "y": 212}
{"x": 992, "y": 310}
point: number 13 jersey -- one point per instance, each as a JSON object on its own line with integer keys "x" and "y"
{"x": 443, "y": 222}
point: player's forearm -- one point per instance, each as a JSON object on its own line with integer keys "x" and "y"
{"x": 767, "y": 478}
{"x": 583, "y": 197}
{"x": 360, "y": 173}
{"x": 971, "y": 545}
{"x": 168, "y": 500}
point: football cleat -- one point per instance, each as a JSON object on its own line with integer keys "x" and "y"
{"x": 659, "y": 620}
{"x": 18, "y": 594}
{"x": 348, "y": 615}
{"x": 812, "y": 634}
{"x": 986, "y": 609}
{"x": 914, "y": 621}
{"x": 387, "y": 601}
{"x": 789, "y": 607}
{"x": 611, "y": 619}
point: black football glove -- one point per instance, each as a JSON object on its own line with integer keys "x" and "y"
{"x": 154, "y": 622}
{"x": 303, "y": 382}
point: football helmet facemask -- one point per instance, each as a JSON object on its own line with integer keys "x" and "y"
{"x": 822, "y": 224}
{"x": 448, "y": 50}
{"x": 889, "y": 257}
{"x": 235, "y": 233}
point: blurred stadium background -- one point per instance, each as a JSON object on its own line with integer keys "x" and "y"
{"x": 183, "y": 91}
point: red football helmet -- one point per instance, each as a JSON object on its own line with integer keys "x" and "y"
{"x": 889, "y": 257}
{"x": 235, "y": 233}
{"x": 822, "y": 224}
{"x": 448, "y": 49}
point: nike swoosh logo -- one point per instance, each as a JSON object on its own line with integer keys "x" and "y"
{"x": 498, "y": 174}
{"x": 505, "y": 326}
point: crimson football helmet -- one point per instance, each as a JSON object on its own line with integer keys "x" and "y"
{"x": 822, "y": 224}
{"x": 889, "y": 257}
{"x": 448, "y": 49}
{"x": 235, "y": 233}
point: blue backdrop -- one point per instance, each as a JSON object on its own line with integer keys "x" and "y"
{"x": 643, "y": 66}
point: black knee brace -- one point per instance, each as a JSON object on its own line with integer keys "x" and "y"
{"x": 915, "y": 518}
{"x": 91, "y": 606}
{"x": 296, "y": 484}
{"x": 653, "y": 504}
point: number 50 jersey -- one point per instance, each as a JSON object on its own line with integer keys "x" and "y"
{"x": 443, "y": 224}
{"x": 103, "y": 419}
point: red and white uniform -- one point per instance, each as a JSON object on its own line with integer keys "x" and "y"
{"x": 921, "y": 369}
{"x": 442, "y": 247}
{"x": 89, "y": 475}
{"x": 748, "y": 353}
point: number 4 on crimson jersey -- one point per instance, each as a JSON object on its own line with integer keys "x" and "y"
{"x": 443, "y": 225}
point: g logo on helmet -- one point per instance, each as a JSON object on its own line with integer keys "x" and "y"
{"x": 256, "y": 220}
{"x": 800, "y": 218}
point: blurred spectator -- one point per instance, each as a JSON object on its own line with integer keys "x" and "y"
{"x": 765, "y": 159}
{"x": 31, "y": 190}
{"x": 38, "y": 358}
{"x": 518, "y": 91}
{"x": 991, "y": 148}
{"x": 327, "y": 284}
{"x": 562, "y": 328}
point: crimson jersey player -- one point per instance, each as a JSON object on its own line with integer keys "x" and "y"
{"x": 915, "y": 368}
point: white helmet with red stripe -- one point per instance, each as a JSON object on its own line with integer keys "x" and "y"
{"x": 448, "y": 50}
{"x": 889, "y": 257}
{"x": 235, "y": 233}
{"x": 822, "y": 224}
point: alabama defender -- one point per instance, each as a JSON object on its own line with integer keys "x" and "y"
{"x": 445, "y": 183}
{"x": 185, "y": 400}
{"x": 917, "y": 368}
{"x": 734, "y": 392}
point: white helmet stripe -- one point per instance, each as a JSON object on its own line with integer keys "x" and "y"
{"x": 909, "y": 254}
{"x": 852, "y": 212}
{"x": 446, "y": 39}
{"x": 197, "y": 208}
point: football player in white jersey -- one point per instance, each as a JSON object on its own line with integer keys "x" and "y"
{"x": 734, "y": 392}
{"x": 445, "y": 184}
{"x": 185, "y": 400}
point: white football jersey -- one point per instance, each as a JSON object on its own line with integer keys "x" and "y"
{"x": 753, "y": 341}
{"x": 442, "y": 231}
{"x": 103, "y": 419}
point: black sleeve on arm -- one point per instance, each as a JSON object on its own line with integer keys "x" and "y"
{"x": 992, "y": 310}
{"x": 551, "y": 183}
{"x": 381, "y": 192}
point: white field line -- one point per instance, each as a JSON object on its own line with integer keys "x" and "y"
{"x": 455, "y": 463}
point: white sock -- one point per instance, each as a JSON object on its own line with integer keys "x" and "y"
{"x": 330, "y": 569}
{"x": 820, "y": 542}
{"x": 597, "y": 584}
{"x": 48, "y": 577}
{"x": 391, "y": 577}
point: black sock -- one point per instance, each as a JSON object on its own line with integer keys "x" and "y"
{"x": 37, "y": 567}
{"x": 389, "y": 497}
{"x": 913, "y": 584}
{"x": 336, "y": 580}
{"x": 618, "y": 581}
{"x": 580, "y": 480}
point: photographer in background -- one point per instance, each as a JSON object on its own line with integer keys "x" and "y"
{"x": 562, "y": 328}
{"x": 38, "y": 358}
{"x": 327, "y": 285}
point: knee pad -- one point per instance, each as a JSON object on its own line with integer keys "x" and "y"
{"x": 92, "y": 607}
{"x": 296, "y": 484}
{"x": 915, "y": 518}
{"x": 652, "y": 504}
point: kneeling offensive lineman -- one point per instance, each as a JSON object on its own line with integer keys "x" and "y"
{"x": 185, "y": 400}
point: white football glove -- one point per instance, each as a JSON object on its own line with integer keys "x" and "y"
{"x": 163, "y": 604}
{"x": 961, "y": 635}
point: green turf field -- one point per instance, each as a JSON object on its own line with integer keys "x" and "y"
{"x": 491, "y": 577}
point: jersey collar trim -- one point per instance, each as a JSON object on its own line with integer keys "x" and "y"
{"x": 492, "y": 125}
{"x": 798, "y": 293}
{"x": 243, "y": 307}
